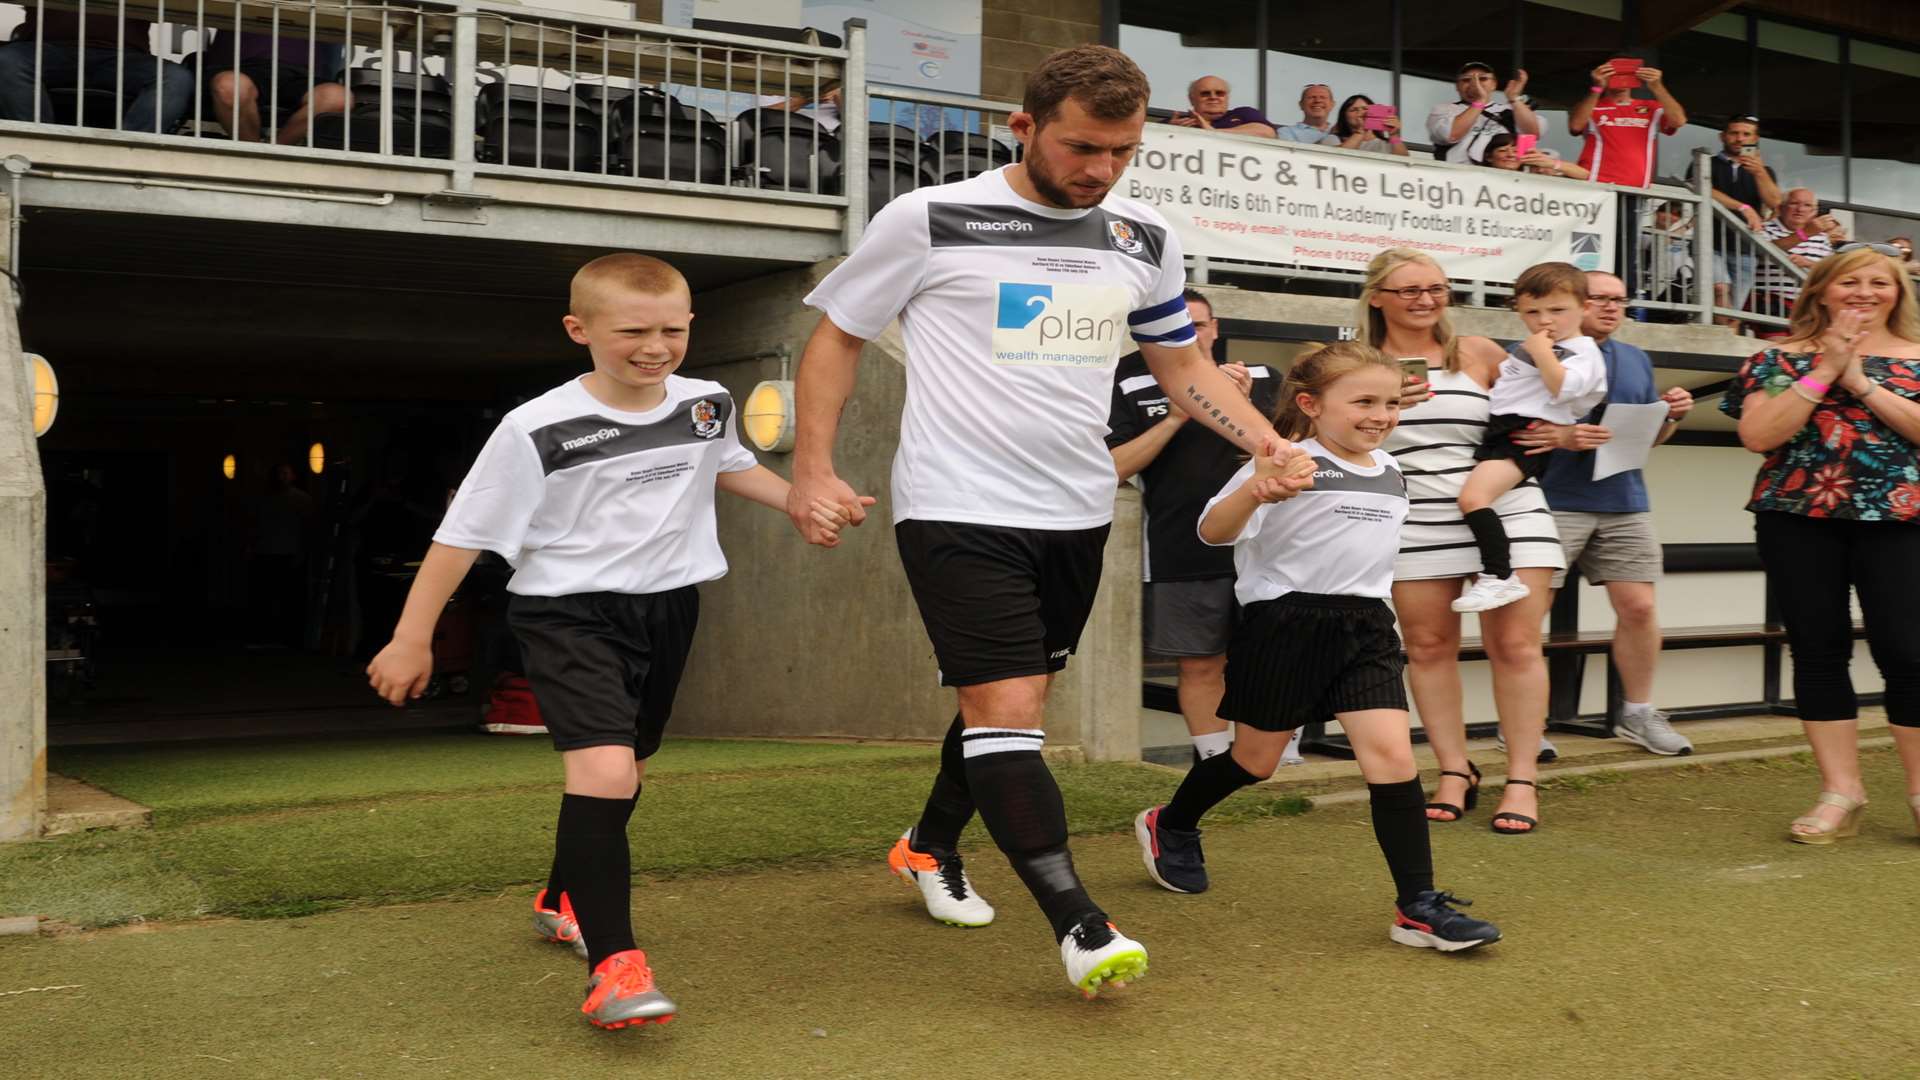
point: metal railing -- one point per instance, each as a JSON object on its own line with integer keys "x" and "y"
{"x": 917, "y": 138}
{"x": 487, "y": 84}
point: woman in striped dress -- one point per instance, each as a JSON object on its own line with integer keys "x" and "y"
{"x": 1403, "y": 312}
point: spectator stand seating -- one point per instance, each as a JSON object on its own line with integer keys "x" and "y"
{"x": 783, "y": 151}
{"x": 422, "y": 115}
{"x": 653, "y": 136}
{"x": 896, "y": 163}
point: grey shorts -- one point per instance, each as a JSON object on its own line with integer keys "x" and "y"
{"x": 1189, "y": 618}
{"x": 1608, "y": 547}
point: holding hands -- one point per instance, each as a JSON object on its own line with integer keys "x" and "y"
{"x": 821, "y": 506}
{"x": 1280, "y": 471}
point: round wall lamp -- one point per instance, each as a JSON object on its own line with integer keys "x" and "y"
{"x": 768, "y": 417}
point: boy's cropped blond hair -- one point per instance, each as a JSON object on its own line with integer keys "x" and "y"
{"x": 625, "y": 272}
{"x": 1545, "y": 279}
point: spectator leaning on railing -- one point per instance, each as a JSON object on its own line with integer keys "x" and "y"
{"x": 1461, "y": 129}
{"x": 1806, "y": 235}
{"x": 153, "y": 89}
{"x": 1209, "y": 97}
{"x": 1836, "y": 511}
{"x": 1502, "y": 153}
{"x": 1744, "y": 183}
{"x": 1316, "y": 111}
{"x": 1622, "y": 133}
{"x": 1353, "y": 133}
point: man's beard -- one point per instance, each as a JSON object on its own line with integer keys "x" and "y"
{"x": 1053, "y": 192}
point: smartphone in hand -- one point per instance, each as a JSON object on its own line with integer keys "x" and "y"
{"x": 1376, "y": 117}
{"x": 1626, "y": 73}
{"x": 1413, "y": 367}
{"x": 1524, "y": 144}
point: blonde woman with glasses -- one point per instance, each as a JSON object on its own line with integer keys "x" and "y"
{"x": 1403, "y": 313}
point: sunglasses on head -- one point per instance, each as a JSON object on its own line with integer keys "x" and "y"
{"x": 1893, "y": 251}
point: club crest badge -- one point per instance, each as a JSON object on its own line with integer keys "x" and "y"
{"x": 706, "y": 419}
{"x": 1123, "y": 237}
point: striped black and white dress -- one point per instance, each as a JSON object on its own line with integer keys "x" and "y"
{"x": 1434, "y": 447}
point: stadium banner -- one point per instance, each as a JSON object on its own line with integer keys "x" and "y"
{"x": 1272, "y": 201}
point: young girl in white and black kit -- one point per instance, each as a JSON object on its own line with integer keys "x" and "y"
{"x": 1313, "y": 569}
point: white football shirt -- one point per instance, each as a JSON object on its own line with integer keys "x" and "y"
{"x": 1337, "y": 538}
{"x": 1014, "y": 315}
{"x": 1519, "y": 390}
{"x": 579, "y": 497}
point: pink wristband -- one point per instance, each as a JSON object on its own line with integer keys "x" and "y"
{"x": 1595, "y": 89}
{"x": 1799, "y": 234}
{"x": 1813, "y": 384}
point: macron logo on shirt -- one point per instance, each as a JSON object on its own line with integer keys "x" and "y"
{"x": 590, "y": 438}
{"x": 999, "y": 226}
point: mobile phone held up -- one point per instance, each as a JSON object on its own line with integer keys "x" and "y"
{"x": 1626, "y": 73}
{"x": 1525, "y": 144}
{"x": 1749, "y": 151}
{"x": 1413, "y": 367}
{"x": 1376, "y": 118}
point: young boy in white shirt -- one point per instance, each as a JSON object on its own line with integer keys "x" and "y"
{"x": 1556, "y": 375}
{"x": 600, "y": 494}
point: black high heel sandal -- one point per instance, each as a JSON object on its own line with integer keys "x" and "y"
{"x": 1473, "y": 795}
{"x": 1532, "y": 824}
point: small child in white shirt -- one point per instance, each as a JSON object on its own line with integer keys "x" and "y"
{"x": 1556, "y": 375}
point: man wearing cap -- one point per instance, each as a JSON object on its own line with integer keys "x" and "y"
{"x": 1460, "y": 130}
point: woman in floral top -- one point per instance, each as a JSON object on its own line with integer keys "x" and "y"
{"x": 1836, "y": 409}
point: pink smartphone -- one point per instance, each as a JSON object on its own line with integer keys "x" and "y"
{"x": 1376, "y": 117}
{"x": 1524, "y": 144}
{"x": 1625, "y": 73}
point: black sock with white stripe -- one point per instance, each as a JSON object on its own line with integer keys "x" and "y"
{"x": 1207, "y": 785}
{"x": 1021, "y": 806}
{"x": 950, "y": 805}
{"x": 1400, "y": 825}
{"x": 1496, "y": 553}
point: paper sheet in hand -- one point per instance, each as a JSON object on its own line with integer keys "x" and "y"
{"x": 1634, "y": 428}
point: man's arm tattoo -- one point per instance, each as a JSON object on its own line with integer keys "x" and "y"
{"x": 1205, "y": 409}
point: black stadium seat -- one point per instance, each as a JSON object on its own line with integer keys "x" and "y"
{"x": 430, "y": 118}
{"x": 957, "y": 155}
{"x": 782, "y": 150}
{"x": 896, "y": 164}
{"x": 537, "y": 126}
{"x": 653, "y": 136}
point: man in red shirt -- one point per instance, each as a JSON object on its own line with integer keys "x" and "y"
{"x": 1621, "y": 130}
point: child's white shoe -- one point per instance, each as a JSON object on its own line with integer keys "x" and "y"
{"x": 1488, "y": 592}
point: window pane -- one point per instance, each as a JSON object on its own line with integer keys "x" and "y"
{"x": 1886, "y": 133}
{"x": 1176, "y": 43}
{"x": 1800, "y": 80}
{"x": 1345, "y": 45}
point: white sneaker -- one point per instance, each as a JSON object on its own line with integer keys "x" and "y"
{"x": 943, "y": 884}
{"x": 1095, "y": 953}
{"x": 1291, "y": 755}
{"x": 1488, "y": 592}
{"x": 1547, "y": 752}
{"x": 1652, "y": 730}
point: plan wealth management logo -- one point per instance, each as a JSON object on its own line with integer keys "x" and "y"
{"x": 1059, "y": 325}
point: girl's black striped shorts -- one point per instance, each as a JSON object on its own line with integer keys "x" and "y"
{"x": 1307, "y": 657}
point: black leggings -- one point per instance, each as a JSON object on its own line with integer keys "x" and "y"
{"x": 1812, "y": 564}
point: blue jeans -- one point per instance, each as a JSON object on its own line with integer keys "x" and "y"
{"x": 171, "y": 93}
{"x": 1739, "y": 281}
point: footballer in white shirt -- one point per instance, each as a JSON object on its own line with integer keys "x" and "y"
{"x": 1015, "y": 291}
{"x": 599, "y": 493}
{"x": 1313, "y": 570}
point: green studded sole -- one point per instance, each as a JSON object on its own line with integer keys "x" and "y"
{"x": 1122, "y": 968}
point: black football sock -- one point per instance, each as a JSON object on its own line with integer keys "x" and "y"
{"x": 950, "y": 805}
{"x": 597, "y": 868}
{"x": 1205, "y": 787}
{"x": 1021, "y": 806}
{"x": 1496, "y": 554}
{"x": 555, "y": 883}
{"x": 1400, "y": 825}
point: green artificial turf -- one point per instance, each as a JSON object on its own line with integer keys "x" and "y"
{"x": 292, "y": 829}
{"x": 1658, "y": 926}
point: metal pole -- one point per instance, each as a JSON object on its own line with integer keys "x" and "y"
{"x": 386, "y": 83}
{"x": 1703, "y": 226}
{"x": 853, "y": 131}
{"x": 466, "y": 54}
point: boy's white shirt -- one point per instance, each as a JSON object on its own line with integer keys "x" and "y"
{"x": 1520, "y": 391}
{"x": 581, "y": 497}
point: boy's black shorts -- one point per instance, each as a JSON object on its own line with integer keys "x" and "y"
{"x": 1307, "y": 657}
{"x": 1498, "y": 445}
{"x": 604, "y": 666}
{"x": 1000, "y": 602}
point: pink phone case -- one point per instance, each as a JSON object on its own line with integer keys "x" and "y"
{"x": 1524, "y": 144}
{"x": 1376, "y": 116}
